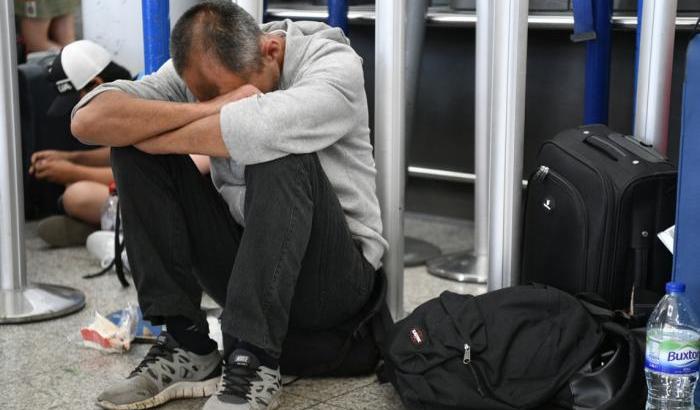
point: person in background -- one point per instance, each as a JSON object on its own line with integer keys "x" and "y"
{"x": 46, "y": 24}
{"x": 80, "y": 67}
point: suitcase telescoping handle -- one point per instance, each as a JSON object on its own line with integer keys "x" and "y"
{"x": 605, "y": 147}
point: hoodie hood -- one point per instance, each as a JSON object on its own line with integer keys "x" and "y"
{"x": 302, "y": 44}
{"x": 306, "y": 28}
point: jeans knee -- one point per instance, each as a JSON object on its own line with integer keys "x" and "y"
{"x": 281, "y": 169}
{"x": 119, "y": 156}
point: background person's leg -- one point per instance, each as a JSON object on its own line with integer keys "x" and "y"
{"x": 179, "y": 234}
{"x": 297, "y": 264}
{"x": 62, "y": 29}
{"x": 35, "y": 32}
{"x": 84, "y": 200}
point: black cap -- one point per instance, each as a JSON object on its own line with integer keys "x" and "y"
{"x": 68, "y": 96}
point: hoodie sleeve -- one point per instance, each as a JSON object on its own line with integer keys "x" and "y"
{"x": 324, "y": 104}
{"x": 165, "y": 85}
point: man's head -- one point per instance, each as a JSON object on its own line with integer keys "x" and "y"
{"x": 80, "y": 67}
{"x": 217, "y": 47}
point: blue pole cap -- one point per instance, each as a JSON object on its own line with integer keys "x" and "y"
{"x": 675, "y": 287}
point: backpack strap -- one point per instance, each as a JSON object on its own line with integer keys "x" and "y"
{"x": 596, "y": 306}
{"x": 118, "y": 248}
{"x": 117, "y": 261}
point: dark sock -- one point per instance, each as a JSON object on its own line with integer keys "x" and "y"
{"x": 189, "y": 335}
{"x": 231, "y": 344}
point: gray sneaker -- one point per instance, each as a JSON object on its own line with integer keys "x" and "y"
{"x": 246, "y": 385}
{"x": 167, "y": 372}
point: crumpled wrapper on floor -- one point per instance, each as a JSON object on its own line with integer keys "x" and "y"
{"x": 108, "y": 337}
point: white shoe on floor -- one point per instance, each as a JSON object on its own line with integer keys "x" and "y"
{"x": 100, "y": 244}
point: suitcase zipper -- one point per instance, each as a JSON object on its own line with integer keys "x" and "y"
{"x": 610, "y": 214}
{"x": 544, "y": 172}
{"x": 541, "y": 173}
{"x": 467, "y": 359}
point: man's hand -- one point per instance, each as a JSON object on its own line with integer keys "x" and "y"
{"x": 239, "y": 93}
{"x": 59, "y": 171}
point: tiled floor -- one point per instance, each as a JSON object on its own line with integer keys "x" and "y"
{"x": 43, "y": 365}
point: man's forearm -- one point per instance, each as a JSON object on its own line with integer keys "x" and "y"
{"x": 98, "y": 157}
{"x": 199, "y": 137}
{"x": 116, "y": 119}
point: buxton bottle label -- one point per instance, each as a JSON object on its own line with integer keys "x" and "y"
{"x": 672, "y": 357}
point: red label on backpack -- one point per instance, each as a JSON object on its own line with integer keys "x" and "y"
{"x": 417, "y": 336}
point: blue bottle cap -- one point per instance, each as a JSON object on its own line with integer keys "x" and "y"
{"x": 675, "y": 287}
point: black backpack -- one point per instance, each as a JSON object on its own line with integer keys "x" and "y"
{"x": 525, "y": 347}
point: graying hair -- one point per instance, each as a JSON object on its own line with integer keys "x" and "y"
{"x": 221, "y": 28}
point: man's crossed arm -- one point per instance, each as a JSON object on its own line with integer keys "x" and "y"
{"x": 115, "y": 118}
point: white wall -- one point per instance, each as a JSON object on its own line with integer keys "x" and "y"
{"x": 117, "y": 26}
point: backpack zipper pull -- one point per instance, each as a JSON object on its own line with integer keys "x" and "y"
{"x": 541, "y": 173}
{"x": 467, "y": 359}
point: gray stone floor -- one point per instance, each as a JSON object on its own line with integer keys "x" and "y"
{"x": 43, "y": 365}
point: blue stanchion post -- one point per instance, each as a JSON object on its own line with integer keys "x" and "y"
{"x": 338, "y": 14}
{"x": 638, "y": 36}
{"x": 686, "y": 258}
{"x": 593, "y": 24}
{"x": 156, "y": 33}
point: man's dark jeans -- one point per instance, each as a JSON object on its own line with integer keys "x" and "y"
{"x": 294, "y": 264}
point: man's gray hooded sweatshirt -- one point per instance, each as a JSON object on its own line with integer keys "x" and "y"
{"x": 320, "y": 107}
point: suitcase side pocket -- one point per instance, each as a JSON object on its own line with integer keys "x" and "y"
{"x": 556, "y": 233}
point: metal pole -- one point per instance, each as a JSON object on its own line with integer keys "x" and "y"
{"x": 482, "y": 150}
{"x": 19, "y": 302}
{"x": 12, "y": 257}
{"x": 472, "y": 266}
{"x": 156, "y": 33}
{"x": 508, "y": 28}
{"x": 416, "y": 251}
{"x": 338, "y": 14}
{"x": 654, "y": 73}
{"x": 389, "y": 137}
{"x": 254, "y": 7}
{"x": 597, "y": 94}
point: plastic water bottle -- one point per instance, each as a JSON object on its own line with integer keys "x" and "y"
{"x": 109, "y": 209}
{"x": 672, "y": 354}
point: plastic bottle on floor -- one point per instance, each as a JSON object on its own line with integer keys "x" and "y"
{"x": 109, "y": 209}
{"x": 672, "y": 352}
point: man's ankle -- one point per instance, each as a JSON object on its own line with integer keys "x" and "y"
{"x": 231, "y": 344}
{"x": 189, "y": 336}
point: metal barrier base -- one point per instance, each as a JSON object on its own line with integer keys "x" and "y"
{"x": 38, "y": 302}
{"x": 418, "y": 251}
{"x": 461, "y": 267}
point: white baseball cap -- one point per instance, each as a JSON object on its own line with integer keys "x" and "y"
{"x": 78, "y": 63}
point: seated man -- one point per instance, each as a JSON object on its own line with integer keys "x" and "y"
{"x": 80, "y": 67}
{"x": 291, "y": 234}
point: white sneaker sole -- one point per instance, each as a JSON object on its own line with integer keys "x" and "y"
{"x": 179, "y": 390}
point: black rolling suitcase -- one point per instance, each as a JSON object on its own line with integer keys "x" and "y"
{"x": 593, "y": 209}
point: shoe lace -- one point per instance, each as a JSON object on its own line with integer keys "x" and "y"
{"x": 237, "y": 380}
{"x": 157, "y": 351}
